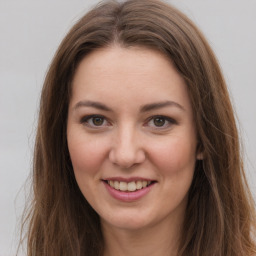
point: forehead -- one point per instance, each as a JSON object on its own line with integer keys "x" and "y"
{"x": 134, "y": 74}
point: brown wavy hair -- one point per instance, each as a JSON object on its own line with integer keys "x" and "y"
{"x": 220, "y": 215}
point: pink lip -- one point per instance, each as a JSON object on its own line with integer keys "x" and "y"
{"x": 127, "y": 179}
{"x": 128, "y": 196}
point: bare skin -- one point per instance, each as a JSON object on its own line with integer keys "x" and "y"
{"x": 154, "y": 241}
{"x": 130, "y": 121}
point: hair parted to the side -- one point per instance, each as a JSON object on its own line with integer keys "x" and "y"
{"x": 220, "y": 216}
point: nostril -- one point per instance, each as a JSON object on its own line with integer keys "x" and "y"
{"x": 126, "y": 158}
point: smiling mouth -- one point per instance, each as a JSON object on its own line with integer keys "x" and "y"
{"x": 129, "y": 186}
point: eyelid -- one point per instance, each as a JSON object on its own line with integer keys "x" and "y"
{"x": 170, "y": 121}
{"x": 84, "y": 120}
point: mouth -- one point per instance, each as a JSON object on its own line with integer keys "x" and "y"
{"x": 130, "y": 186}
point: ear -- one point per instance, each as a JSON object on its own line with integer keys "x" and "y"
{"x": 200, "y": 156}
{"x": 200, "y": 152}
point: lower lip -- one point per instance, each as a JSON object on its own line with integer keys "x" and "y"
{"x": 128, "y": 196}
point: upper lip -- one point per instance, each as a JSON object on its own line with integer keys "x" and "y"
{"x": 130, "y": 179}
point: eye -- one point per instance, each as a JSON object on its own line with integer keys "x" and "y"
{"x": 94, "y": 121}
{"x": 160, "y": 122}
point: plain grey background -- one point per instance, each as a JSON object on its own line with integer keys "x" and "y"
{"x": 30, "y": 32}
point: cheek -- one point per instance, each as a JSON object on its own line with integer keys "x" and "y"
{"x": 86, "y": 154}
{"x": 175, "y": 156}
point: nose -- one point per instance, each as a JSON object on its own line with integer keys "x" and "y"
{"x": 127, "y": 148}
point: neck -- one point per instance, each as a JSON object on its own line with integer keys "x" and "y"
{"x": 157, "y": 240}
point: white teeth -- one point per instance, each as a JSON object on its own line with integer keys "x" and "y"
{"x": 123, "y": 186}
{"x": 138, "y": 184}
{"x": 129, "y": 186}
{"x": 116, "y": 185}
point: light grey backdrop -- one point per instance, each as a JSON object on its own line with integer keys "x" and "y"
{"x": 30, "y": 32}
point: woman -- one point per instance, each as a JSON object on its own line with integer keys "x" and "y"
{"x": 137, "y": 150}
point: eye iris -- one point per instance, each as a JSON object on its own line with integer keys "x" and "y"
{"x": 159, "y": 121}
{"x": 97, "y": 121}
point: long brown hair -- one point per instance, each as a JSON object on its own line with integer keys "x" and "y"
{"x": 220, "y": 215}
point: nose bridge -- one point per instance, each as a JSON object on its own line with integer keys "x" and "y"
{"x": 126, "y": 150}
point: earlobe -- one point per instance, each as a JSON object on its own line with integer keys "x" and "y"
{"x": 200, "y": 156}
{"x": 200, "y": 152}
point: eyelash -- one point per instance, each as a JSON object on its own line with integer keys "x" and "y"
{"x": 86, "y": 121}
{"x": 167, "y": 121}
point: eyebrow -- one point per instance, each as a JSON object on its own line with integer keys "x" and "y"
{"x": 158, "y": 105}
{"x": 94, "y": 104}
{"x": 145, "y": 108}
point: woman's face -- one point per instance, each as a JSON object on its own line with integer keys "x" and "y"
{"x": 131, "y": 137}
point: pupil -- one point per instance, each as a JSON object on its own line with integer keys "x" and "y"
{"x": 97, "y": 121}
{"x": 158, "y": 121}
